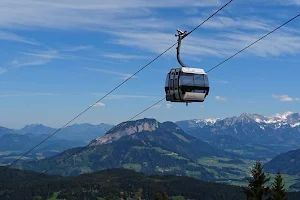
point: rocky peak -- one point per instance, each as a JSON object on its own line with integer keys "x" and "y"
{"x": 251, "y": 118}
{"x": 127, "y": 128}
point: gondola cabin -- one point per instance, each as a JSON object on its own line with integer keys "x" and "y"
{"x": 186, "y": 85}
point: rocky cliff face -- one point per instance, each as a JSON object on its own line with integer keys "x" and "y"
{"x": 126, "y": 129}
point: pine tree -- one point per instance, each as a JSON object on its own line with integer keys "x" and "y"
{"x": 256, "y": 188}
{"x": 158, "y": 196}
{"x": 278, "y": 191}
{"x": 161, "y": 196}
{"x": 165, "y": 196}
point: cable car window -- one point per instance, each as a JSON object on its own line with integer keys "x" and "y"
{"x": 175, "y": 84}
{"x": 199, "y": 80}
{"x": 206, "y": 80}
{"x": 171, "y": 84}
{"x": 199, "y": 91}
{"x": 167, "y": 80}
{"x": 187, "y": 79}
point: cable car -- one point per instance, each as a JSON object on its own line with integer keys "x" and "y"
{"x": 186, "y": 84}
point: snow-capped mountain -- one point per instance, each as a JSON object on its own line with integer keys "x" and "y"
{"x": 196, "y": 123}
{"x": 250, "y": 127}
{"x": 285, "y": 119}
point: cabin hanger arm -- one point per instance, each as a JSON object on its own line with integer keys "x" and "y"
{"x": 180, "y": 36}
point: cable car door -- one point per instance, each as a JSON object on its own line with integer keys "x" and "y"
{"x": 176, "y": 85}
{"x": 171, "y": 86}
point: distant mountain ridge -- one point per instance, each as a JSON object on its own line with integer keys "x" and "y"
{"x": 4, "y": 131}
{"x": 253, "y": 127}
{"x": 75, "y": 132}
{"x": 145, "y": 145}
{"x": 288, "y": 162}
{"x": 285, "y": 119}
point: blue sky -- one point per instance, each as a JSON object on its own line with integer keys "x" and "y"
{"x": 59, "y": 57}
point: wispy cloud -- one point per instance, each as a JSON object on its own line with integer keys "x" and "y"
{"x": 51, "y": 54}
{"x": 2, "y": 70}
{"x": 42, "y": 57}
{"x": 125, "y": 96}
{"x": 123, "y": 56}
{"x": 225, "y": 44}
{"x": 218, "y": 98}
{"x": 17, "y": 63}
{"x": 143, "y": 28}
{"x": 99, "y": 104}
{"x": 167, "y": 106}
{"x": 285, "y": 98}
{"x": 122, "y": 75}
{"x": 14, "y": 37}
{"x": 77, "y": 48}
{"x": 227, "y": 23}
{"x": 191, "y": 11}
{"x": 26, "y": 94}
{"x": 35, "y": 59}
{"x": 290, "y": 2}
{"x": 214, "y": 80}
{"x": 86, "y": 14}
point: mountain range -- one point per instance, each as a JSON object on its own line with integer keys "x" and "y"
{"x": 15, "y": 142}
{"x": 221, "y": 150}
{"x": 255, "y": 135}
{"x": 78, "y": 132}
{"x": 281, "y": 127}
{"x": 144, "y": 145}
{"x": 288, "y": 163}
{"x": 12, "y": 146}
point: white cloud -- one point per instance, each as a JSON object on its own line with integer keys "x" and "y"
{"x": 191, "y": 11}
{"x": 51, "y": 54}
{"x": 85, "y": 14}
{"x": 284, "y": 98}
{"x": 26, "y": 94}
{"x": 227, "y": 23}
{"x": 14, "y": 37}
{"x": 158, "y": 106}
{"x": 224, "y": 44}
{"x": 39, "y": 57}
{"x": 2, "y": 70}
{"x": 214, "y": 80}
{"x": 125, "y": 96}
{"x": 218, "y": 98}
{"x": 123, "y": 75}
{"x": 35, "y": 59}
{"x": 17, "y": 63}
{"x": 290, "y": 2}
{"x": 99, "y": 104}
{"x": 77, "y": 48}
{"x": 123, "y": 56}
{"x": 135, "y": 23}
{"x": 167, "y": 106}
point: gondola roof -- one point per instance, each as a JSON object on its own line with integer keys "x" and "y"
{"x": 193, "y": 70}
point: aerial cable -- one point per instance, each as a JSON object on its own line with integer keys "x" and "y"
{"x": 159, "y": 101}
{"x": 7, "y": 166}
